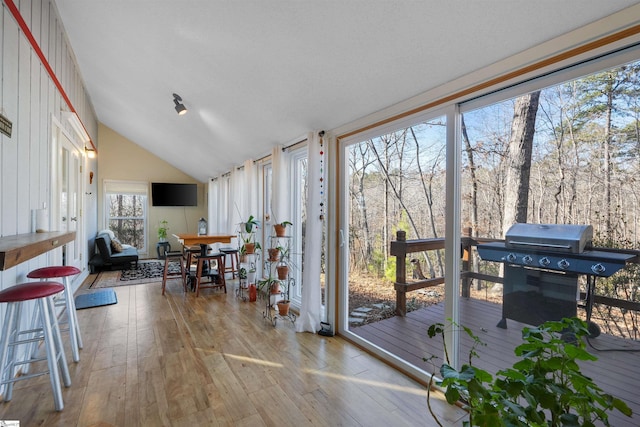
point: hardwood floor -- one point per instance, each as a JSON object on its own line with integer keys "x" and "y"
{"x": 179, "y": 360}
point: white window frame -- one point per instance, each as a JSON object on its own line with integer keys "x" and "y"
{"x": 297, "y": 206}
{"x": 138, "y": 188}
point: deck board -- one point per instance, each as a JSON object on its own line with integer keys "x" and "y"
{"x": 616, "y": 372}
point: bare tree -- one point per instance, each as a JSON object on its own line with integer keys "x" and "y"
{"x": 427, "y": 186}
{"x": 359, "y": 162}
{"x": 518, "y": 160}
{"x": 474, "y": 180}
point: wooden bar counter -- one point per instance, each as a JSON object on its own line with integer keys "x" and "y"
{"x": 22, "y": 247}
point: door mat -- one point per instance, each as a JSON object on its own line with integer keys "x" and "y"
{"x": 96, "y": 299}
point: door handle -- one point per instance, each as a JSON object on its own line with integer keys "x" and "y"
{"x": 75, "y": 218}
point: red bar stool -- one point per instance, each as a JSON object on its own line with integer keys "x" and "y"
{"x": 47, "y": 328}
{"x": 173, "y": 256}
{"x": 64, "y": 271}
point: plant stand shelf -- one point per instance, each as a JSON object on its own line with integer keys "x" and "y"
{"x": 271, "y": 313}
{"x": 246, "y": 275}
{"x": 242, "y": 290}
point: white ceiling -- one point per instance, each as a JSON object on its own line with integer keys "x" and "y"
{"x": 258, "y": 73}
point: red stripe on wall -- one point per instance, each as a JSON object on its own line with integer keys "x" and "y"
{"x": 34, "y": 44}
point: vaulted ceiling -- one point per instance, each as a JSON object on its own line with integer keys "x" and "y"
{"x": 254, "y": 74}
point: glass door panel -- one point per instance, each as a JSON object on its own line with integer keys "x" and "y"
{"x": 396, "y": 183}
{"x": 70, "y": 173}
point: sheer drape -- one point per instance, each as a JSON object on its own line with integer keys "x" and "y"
{"x": 235, "y": 202}
{"x": 213, "y": 206}
{"x": 250, "y": 191}
{"x": 242, "y": 199}
{"x": 281, "y": 191}
{"x": 311, "y": 308}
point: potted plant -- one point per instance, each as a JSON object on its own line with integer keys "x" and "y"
{"x": 247, "y": 235}
{"x": 250, "y": 225}
{"x": 247, "y": 273}
{"x": 269, "y": 285}
{"x": 274, "y": 254}
{"x": 285, "y": 302}
{"x": 162, "y": 230}
{"x": 544, "y": 388}
{"x": 283, "y": 307}
{"x": 283, "y": 271}
{"x": 251, "y": 273}
{"x": 242, "y": 273}
{"x": 281, "y": 228}
{"x": 282, "y": 267}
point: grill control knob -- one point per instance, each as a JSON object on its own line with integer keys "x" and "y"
{"x": 598, "y": 268}
{"x": 511, "y": 257}
{"x": 527, "y": 259}
{"x": 544, "y": 261}
{"x": 563, "y": 264}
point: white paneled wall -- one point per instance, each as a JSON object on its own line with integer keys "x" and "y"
{"x": 30, "y": 98}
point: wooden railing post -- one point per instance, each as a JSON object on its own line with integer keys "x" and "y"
{"x": 401, "y": 277}
{"x": 466, "y": 261}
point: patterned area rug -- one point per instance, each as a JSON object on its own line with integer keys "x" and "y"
{"x": 148, "y": 271}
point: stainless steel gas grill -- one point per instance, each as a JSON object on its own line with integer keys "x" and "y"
{"x": 542, "y": 266}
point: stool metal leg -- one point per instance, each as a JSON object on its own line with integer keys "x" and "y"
{"x": 54, "y": 373}
{"x": 7, "y": 331}
{"x": 32, "y": 348}
{"x": 74, "y": 328}
{"x": 57, "y": 336}
{"x": 14, "y": 336}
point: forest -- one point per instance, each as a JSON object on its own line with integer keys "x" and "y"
{"x": 566, "y": 154}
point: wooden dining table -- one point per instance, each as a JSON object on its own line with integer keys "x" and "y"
{"x": 203, "y": 240}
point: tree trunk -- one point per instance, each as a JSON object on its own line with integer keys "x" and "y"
{"x": 516, "y": 195}
{"x": 474, "y": 180}
{"x": 474, "y": 197}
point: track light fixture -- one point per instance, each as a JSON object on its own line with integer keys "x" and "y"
{"x": 180, "y": 108}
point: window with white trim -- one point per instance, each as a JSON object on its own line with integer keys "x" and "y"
{"x": 126, "y": 211}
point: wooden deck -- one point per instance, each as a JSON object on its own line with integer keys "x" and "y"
{"x": 617, "y": 372}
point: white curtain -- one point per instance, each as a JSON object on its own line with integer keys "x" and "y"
{"x": 213, "y": 204}
{"x": 280, "y": 189}
{"x": 236, "y": 204}
{"x": 250, "y": 190}
{"x": 311, "y": 309}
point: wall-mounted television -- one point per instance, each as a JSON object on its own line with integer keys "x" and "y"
{"x": 173, "y": 194}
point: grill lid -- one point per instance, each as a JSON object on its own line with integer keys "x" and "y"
{"x": 568, "y": 238}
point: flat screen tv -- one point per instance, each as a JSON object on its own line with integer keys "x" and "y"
{"x": 170, "y": 194}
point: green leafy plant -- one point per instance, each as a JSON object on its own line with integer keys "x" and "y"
{"x": 266, "y": 283}
{"x": 247, "y": 234}
{"x": 544, "y": 388}
{"x": 285, "y": 252}
{"x": 162, "y": 230}
{"x": 281, "y": 227}
{"x": 250, "y": 224}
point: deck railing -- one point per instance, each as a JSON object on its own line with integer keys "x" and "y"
{"x": 402, "y": 247}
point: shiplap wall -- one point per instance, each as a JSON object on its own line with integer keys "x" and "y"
{"x": 30, "y": 98}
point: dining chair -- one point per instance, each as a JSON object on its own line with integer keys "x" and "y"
{"x": 206, "y": 275}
